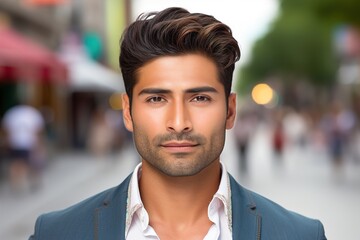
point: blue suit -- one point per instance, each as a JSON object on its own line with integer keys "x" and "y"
{"x": 102, "y": 217}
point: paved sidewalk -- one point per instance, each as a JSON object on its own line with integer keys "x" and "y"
{"x": 62, "y": 180}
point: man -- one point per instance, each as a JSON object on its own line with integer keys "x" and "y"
{"x": 23, "y": 125}
{"x": 177, "y": 68}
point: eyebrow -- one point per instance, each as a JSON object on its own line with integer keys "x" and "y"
{"x": 201, "y": 89}
{"x": 167, "y": 91}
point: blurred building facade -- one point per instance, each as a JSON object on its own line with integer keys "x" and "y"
{"x": 97, "y": 25}
{"x": 43, "y": 24}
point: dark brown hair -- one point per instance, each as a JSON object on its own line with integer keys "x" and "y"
{"x": 172, "y": 32}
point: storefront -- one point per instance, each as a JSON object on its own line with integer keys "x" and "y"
{"x": 30, "y": 72}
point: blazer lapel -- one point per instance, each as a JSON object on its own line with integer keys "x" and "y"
{"x": 246, "y": 222}
{"x": 110, "y": 217}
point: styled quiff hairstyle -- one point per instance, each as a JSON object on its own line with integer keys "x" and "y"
{"x": 173, "y": 32}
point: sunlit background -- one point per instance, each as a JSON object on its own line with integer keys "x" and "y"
{"x": 296, "y": 140}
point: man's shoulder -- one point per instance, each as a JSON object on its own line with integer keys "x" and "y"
{"x": 272, "y": 210}
{"x": 93, "y": 202}
{"x": 80, "y": 217}
{"x": 274, "y": 218}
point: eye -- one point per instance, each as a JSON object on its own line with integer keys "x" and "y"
{"x": 201, "y": 98}
{"x": 155, "y": 99}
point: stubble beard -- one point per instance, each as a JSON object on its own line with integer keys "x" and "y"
{"x": 179, "y": 164}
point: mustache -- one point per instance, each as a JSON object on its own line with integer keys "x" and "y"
{"x": 196, "y": 138}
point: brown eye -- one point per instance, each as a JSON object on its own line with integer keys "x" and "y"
{"x": 201, "y": 99}
{"x": 155, "y": 99}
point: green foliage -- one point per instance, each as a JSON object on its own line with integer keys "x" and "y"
{"x": 297, "y": 47}
{"x": 339, "y": 11}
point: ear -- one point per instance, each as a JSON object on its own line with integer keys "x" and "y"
{"x": 231, "y": 112}
{"x": 126, "y": 112}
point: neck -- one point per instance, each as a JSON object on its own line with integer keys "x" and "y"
{"x": 178, "y": 199}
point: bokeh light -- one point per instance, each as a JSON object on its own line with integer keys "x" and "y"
{"x": 262, "y": 94}
{"x": 115, "y": 101}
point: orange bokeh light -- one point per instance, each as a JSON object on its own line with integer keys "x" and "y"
{"x": 262, "y": 94}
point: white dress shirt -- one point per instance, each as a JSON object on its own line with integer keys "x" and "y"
{"x": 219, "y": 212}
{"x": 23, "y": 124}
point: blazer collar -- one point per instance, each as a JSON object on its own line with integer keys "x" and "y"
{"x": 246, "y": 220}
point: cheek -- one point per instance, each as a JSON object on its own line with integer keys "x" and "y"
{"x": 150, "y": 122}
{"x": 210, "y": 119}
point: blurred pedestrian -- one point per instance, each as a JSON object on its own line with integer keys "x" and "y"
{"x": 23, "y": 126}
{"x": 243, "y": 129}
{"x": 338, "y": 124}
{"x": 101, "y": 134}
{"x": 295, "y": 127}
{"x": 278, "y": 138}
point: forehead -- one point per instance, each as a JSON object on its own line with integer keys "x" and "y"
{"x": 184, "y": 71}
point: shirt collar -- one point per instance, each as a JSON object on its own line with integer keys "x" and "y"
{"x": 224, "y": 195}
{"x": 134, "y": 202}
{"x": 135, "y": 205}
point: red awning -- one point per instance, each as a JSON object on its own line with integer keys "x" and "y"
{"x": 46, "y": 2}
{"x": 23, "y": 60}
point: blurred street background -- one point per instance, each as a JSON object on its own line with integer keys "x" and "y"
{"x": 297, "y": 136}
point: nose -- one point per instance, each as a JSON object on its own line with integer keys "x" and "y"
{"x": 179, "y": 120}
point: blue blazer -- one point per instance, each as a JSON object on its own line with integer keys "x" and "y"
{"x": 102, "y": 217}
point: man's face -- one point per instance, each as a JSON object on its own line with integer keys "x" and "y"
{"x": 178, "y": 114}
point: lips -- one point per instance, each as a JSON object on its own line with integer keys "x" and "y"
{"x": 179, "y": 146}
